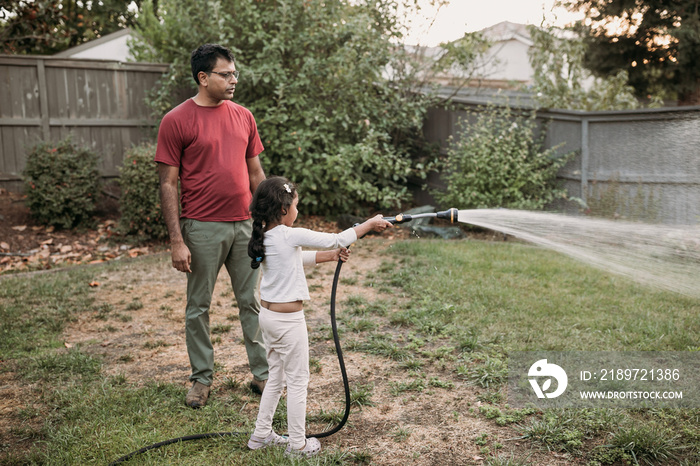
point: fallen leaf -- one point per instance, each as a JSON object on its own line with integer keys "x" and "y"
{"x": 65, "y": 249}
{"x": 20, "y": 227}
{"x": 67, "y": 345}
{"x": 4, "y": 246}
{"x": 48, "y": 241}
{"x": 94, "y": 284}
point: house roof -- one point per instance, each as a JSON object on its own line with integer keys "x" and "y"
{"x": 117, "y": 37}
{"x": 506, "y": 30}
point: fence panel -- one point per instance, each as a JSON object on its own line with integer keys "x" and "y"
{"x": 101, "y": 103}
{"x": 642, "y": 164}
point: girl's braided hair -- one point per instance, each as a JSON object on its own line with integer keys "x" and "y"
{"x": 270, "y": 202}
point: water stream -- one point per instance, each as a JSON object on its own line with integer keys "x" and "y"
{"x": 663, "y": 256}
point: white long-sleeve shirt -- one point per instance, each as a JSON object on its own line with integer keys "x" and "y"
{"x": 283, "y": 277}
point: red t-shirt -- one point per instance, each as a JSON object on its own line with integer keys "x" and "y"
{"x": 210, "y": 145}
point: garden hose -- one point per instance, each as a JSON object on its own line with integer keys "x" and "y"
{"x": 328, "y": 433}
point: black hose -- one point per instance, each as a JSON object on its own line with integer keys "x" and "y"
{"x": 328, "y": 433}
{"x": 341, "y": 362}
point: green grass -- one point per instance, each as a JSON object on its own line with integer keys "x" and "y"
{"x": 459, "y": 306}
{"x": 499, "y": 289}
{"x": 488, "y": 299}
{"x": 33, "y": 311}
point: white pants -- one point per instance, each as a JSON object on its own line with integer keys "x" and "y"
{"x": 287, "y": 343}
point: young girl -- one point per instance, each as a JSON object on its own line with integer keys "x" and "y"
{"x": 277, "y": 247}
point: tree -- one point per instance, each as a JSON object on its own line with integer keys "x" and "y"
{"x": 656, "y": 41}
{"x": 562, "y": 81}
{"x": 49, "y": 26}
{"x": 327, "y": 82}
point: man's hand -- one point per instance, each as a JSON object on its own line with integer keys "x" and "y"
{"x": 181, "y": 256}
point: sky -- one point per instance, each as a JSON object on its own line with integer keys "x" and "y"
{"x": 460, "y": 16}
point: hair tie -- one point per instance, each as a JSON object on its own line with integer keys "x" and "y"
{"x": 287, "y": 188}
{"x": 258, "y": 259}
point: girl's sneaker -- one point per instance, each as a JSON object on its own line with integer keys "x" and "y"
{"x": 311, "y": 448}
{"x": 255, "y": 443}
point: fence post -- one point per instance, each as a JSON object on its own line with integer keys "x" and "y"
{"x": 43, "y": 100}
{"x": 584, "y": 159}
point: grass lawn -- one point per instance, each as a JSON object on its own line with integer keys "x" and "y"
{"x": 447, "y": 315}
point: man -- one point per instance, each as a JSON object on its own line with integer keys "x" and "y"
{"x": 212, "y": 145}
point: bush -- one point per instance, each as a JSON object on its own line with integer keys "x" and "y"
{"x": 140, "y": 201}
{"x": 62, "y": 183}
{"x": 498, "y": 161}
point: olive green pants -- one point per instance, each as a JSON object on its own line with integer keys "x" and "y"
{"x": 213, "y": 244}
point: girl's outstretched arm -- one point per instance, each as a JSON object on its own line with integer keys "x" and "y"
{"x": 376, "y": 223}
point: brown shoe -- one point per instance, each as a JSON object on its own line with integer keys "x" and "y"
{"x": 197, "y": 396}
{"x": 258, "y": 386}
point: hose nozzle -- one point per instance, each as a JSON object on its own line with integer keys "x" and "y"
{"x": 449, "y": 214}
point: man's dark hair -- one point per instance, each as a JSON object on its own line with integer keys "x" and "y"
{"x": 204, "y": 58}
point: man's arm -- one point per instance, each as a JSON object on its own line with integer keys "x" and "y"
{"x": 170, "y": 205}
{"x": 255, "y": 172}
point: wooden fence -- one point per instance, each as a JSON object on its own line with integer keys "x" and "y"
{"x": 641, "y": 164}
{"x": 102, "y": 103}
{"x": 648, "y": 160}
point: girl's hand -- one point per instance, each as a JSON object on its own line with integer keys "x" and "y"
{"x": 379, "y": 224}
{"x": 343, "y": 254}
{"x": 376, "y": 223}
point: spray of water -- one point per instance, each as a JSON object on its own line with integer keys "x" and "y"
{"x": 663, "y": 256}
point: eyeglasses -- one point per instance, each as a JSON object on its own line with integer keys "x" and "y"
{"x": 227, "y": 76}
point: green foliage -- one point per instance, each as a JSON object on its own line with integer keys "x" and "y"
{"x": 507, "y": 415}
{"x": 555, "y": 431}
{"x": 498, "y": 161}
{"x": 62, "y": 183}
{"x": 50, "y": 26}
{"x": 140, "y": 202}
{"x": 648, "y": 443}
{"x": 562, "y": 81}
{"x": 489, "y": 371}
{"x": 316, "y": 76}
{"x": 655, "y": 41}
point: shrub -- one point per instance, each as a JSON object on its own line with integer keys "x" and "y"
{"x": 140, "y": 201}
{"x": 498, "y": 161}
{"x": 62, "y": 183}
